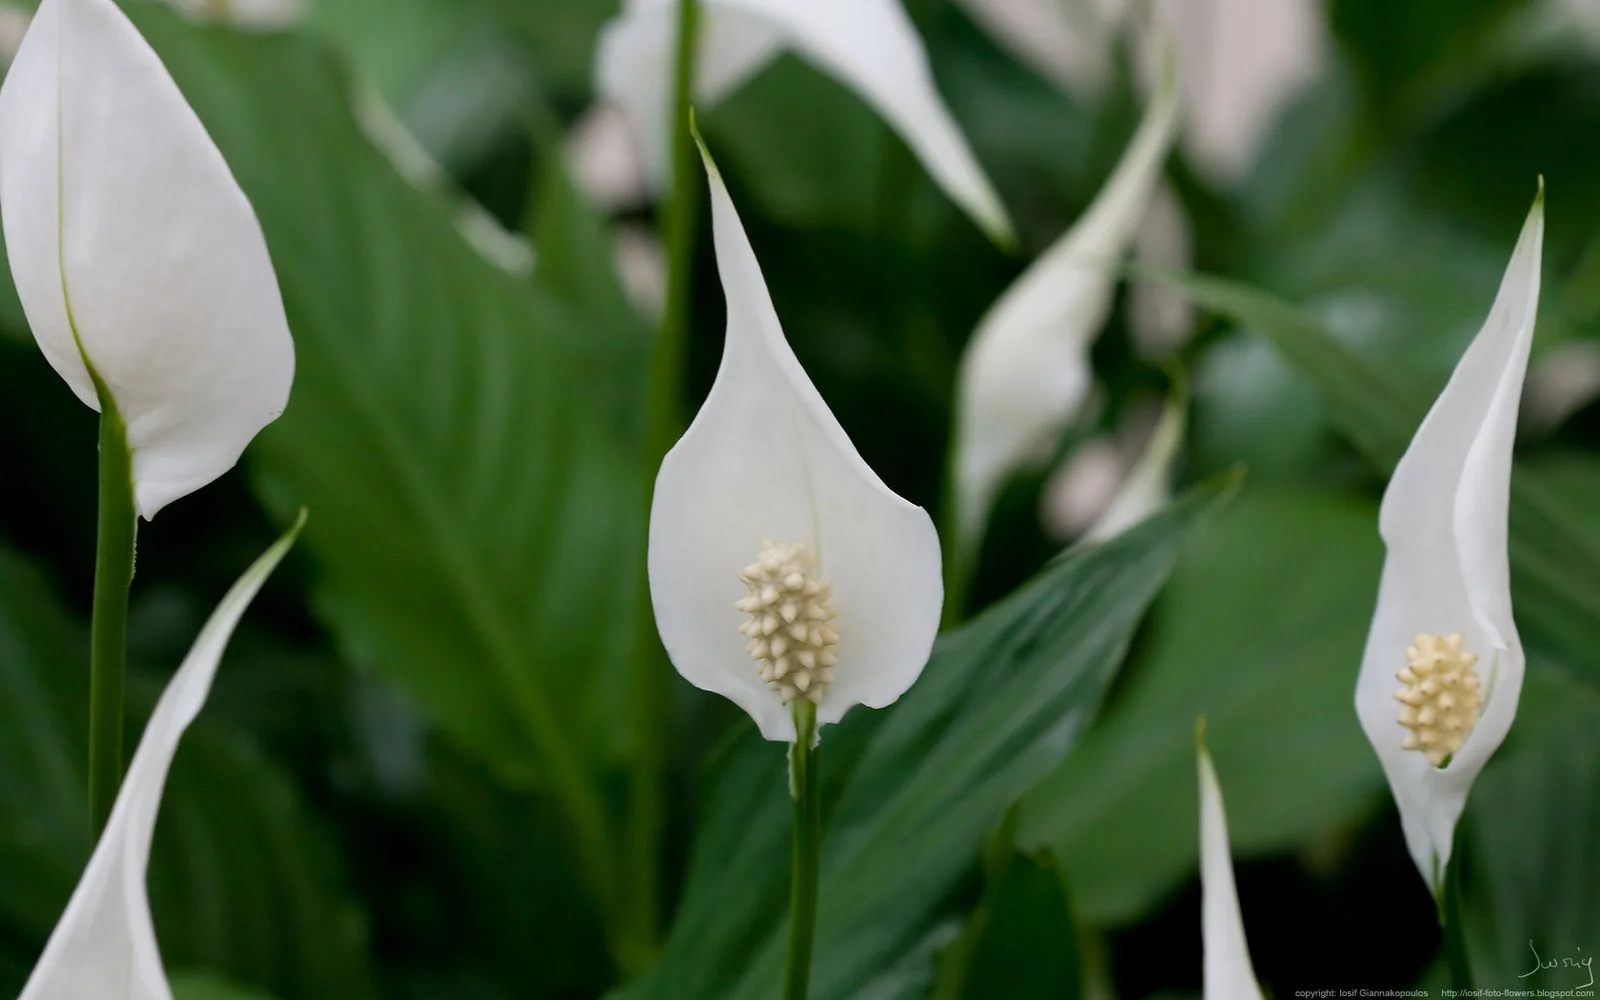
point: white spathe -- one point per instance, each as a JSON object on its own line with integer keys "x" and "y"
{"x": 135, "y": 252}
{"x": 765, "y": 459}
{"x": 105, "y": 946}
{"x": 869, "y": 45}
{"x": 1447, "y": 571}
{"x": 1228, "y": 972}
{"x": 1026, "y": 370}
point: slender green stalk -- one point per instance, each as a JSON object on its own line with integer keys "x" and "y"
{"x": 805, "y": 787}
{"x": 649, "y": 674}
{"x": 113, "y": 575}
{"x": 1452, "y": 928}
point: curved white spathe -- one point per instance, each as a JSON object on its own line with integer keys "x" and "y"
{"x": 1447, "y": 570}
{"x": 105, "y": 946}
{"x": 1026, "y": 370}
{"x": 765, "y": 459}
{"x": 870, "y": 46}
{"x": 1228, "y": 972}
{"x": 135, "y": 251}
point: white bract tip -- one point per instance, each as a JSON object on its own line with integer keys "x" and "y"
{"x": 135, "y": 252}
{"x": 870, "y": 46}
{"x": 1443, "y": 622}
{"x": 854, "y": 586}
{"x": 1026, "y": 371}
{"x": 1228, "y": 972}
{"x": 105, "y": 944}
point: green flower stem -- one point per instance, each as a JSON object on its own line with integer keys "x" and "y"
{"x": 113, "y": 575}
{"x": 1452, "y": 928}
{"x": 649, "y": 676}
{"x": 805, "y": 787}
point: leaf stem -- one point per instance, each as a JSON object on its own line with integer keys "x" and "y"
{"x": 805, "y": 789}
{"x": 113, "y": 575}
{"x": 1451, "y": 927}
{"x": 649, "y": 674}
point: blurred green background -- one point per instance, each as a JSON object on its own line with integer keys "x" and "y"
{"x": 373, "y": 803}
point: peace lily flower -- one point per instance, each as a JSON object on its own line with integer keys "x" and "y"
{"x": 781, "y": 567}
{"x": 1443, "y": 666}
{"x": 1026, "y": 370}
{"x": 1228, "y": 972}
{"x": 138, "y": 260}
{"x": 870, "y": 46}
{"x": 1148, "y": 487}
{"x": 105, "y": 944}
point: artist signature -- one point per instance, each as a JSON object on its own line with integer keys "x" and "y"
{"x": 1540, "y": 964}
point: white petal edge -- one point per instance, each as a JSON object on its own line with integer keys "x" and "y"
{"x": 1148, "y": 487}
{"x": 105, "y": 943}
{"x": 869, "y": 45}
{"x": 116, "y": 201}
{"x": 1026, "y": 372}
{"x": 1228, "y": 972}
{"x": 1444, "y": 521}
{"x": 766, "y": 459}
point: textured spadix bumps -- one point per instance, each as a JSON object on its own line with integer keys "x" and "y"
{"x": 104, "y": 947}
{"x": 765, "y": 519}
{"x": 1443, "y": 666}
{"x": 870, "y": 46}
{"x": 135, "y": 253}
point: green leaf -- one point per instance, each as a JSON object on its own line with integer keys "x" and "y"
{"x": 1022, "y": 942}
{"x": 909, "y": 793}
{"x": 239, "y": 879}
{"x": 1261, "y": 632}
{"x": 478, "y": 523}
{"x": 1530, "y": 841}
{"x": 1555, "y": 552}
{"x": 204, "y": 986}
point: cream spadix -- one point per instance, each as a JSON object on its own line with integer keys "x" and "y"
{"x": 1443, "y": 665}
{"x": 781, "y": 566}
{"x": 1026, "y": 371}
{"x": 138, "y": 259}
{"x": 105, "y": 945}
{"x": 870, "y": 46}
{"x": 1228, "y": 972}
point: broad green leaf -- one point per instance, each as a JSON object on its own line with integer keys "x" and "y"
{"x": 910, "y": 793}
{"x": 1555, "y": 551}
{"x": 239, "y": 880}
{"x": 1021, "y": 943}
{"x": 478, "y": 525}
{"x": 1531, "y": 844}
{"x": 204, "y": 986}
{"x": 1260, "y": 631}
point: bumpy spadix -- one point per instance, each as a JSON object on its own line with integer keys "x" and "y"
{"x": 138, "y": 259}
{"x": 1026, "y": 370}
{"x": 870, "y": 46}
{"x": 105, "y": 946}
{"x": 1443, "y": 665}
{"x": 781, "y": 567}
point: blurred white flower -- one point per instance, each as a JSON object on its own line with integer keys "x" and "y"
{"x": 1240, "y": 60}
{"x": 780, "y": 565}
{"x": 1148, "y": 486}
{"x": 105, "y": 946}
{"x": 1026, "y": 370}
{"x": 14, "y": 20}
{"x": 869, "y": 45}
{"x": 1228, "y": 972}
{"x": 138, "y": 260}
{"x": 1443, "y": 666}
